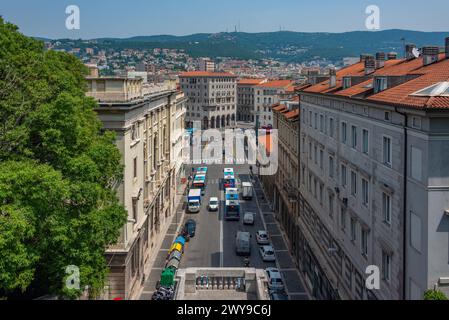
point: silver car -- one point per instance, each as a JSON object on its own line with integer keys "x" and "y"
{"x": 275, "y": 282}
{"x": 249, "y": 218}
{"x": 262, "y": 237}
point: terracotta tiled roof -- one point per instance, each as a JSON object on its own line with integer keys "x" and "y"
{"x": 357, "y": 89}
{"x": 250, "y": 81}
{"x": 291, "y": 88}
{"x": 294, "y": 99}
{"x": 279, "y": 108}
{"x": 357, "y": 69}
{"x": 400, "y": 95}
{"x": 292, "y": 114}
{"x": 302, "y": 87}
{"x": 206, "y": 74}
{"x": 403, "y": 94}
{"x": 277, "y": 84}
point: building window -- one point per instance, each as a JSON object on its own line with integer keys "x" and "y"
{"x": 364, "y": 242}
{"x": 416, "y": 122}
{"x": 321, "y": 123}
{"x": 135, "y": 167}
{"x": 416, "y": 232}
{"x": 386, "y": 147}
{"x": 353, "y": 229}
{"x": 316, "y": 121}
{"x": 354, "y": 136}
{"x": 344, "y": 132}
{"x": 134, "y": 209}
{"x": 386, "y": 266}
{"x": 380, "y": 85}
{"x": 310, "y": 118}
{"x": 343, "y": 219}
{"x": 353, "y": 183}
{"x": 331, "y": 205}
{"x": 310, "y": 150}
{"x": 365, "y": 192}
{"x": 344, "y": 176}
{"x": 331, "y": 127}
{"x": 386, "y": 207}
{"x": 387, "y": 116}
{"x": 331, "y": 167}
{"x": 321, "y": 194}
{"x": 316, "y": 154}
{"x": 321, "y": 159}
{"x": 365, "y": 140}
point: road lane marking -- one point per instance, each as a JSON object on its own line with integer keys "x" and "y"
{"x": 221, "y": 230}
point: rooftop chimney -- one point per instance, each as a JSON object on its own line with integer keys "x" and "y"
{"x": 332, "y": 77}
{"x": 430, "y": 54}
{"x": 370, "y": 65}
{"x": 447, "y": 47}
{"x": 409, "y": 51}
{"x": 363, "y": 57}
{"x": 392, "y": 56}
{"x": 380, "y": 60}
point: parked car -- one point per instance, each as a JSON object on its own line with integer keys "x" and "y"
{"x": 213, "y": 204}
{"x": 278, "y": 296}
{"x": 249, "y": 218}
{"x": 262, "y": 237}
{"x": 275, "y": 282}
{"x": 190, "y": 228}
{"x": 267, "y": 253}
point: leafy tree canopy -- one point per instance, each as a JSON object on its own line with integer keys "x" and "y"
{"x": 58, "y": 170}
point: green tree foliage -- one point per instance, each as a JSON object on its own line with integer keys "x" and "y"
{"x": 58, "y": 170}
{"x": 434, "y": 295}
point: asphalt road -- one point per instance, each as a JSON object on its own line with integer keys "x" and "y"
{"x": 214, "y": 243}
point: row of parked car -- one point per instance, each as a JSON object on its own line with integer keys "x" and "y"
{"x": 165, "y": 288}
{"x": 275, "y": 283}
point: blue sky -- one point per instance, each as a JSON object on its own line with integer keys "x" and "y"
{"x": 112, "y": 18}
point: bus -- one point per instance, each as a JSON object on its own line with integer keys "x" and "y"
{"x": 199, "y": 182}
{"x": 201, "y": 171}
{"x": 232, "y": 194}
{"x": 232, "y": 210}
{"x": 229, "y": 181}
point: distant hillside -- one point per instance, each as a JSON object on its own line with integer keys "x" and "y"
{"x": 284, "y": 45}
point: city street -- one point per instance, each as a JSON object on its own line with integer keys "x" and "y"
{"x": 214, "y": 243}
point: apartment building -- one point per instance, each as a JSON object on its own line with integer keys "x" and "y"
{"x": 212, "y": 98}
{"x": 147, "y": 120}
{"x": 266, "y": 95}
{"x": 206, "y": 64}
{"x": 245, "y": 98}
{"x": 374, "y": 178}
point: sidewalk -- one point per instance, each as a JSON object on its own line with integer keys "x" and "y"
{"x": 293, "y": 280}
{"x": 157, "y": 262}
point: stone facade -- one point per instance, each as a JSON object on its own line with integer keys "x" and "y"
{"x": 353, "y": 158}
{"x": 212, "y": 99}
{"x": 265, "y": 96}
{"x": 149, "y": 130}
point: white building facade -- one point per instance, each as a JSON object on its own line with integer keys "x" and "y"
{"x": 212, "y": 99}
{"x": 144, "y": 119}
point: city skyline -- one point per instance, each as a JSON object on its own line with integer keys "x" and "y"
{"x": 47, "y": 19}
